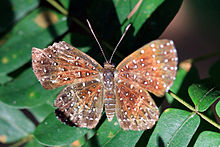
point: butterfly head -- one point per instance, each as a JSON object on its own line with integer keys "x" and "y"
{"x": 108, "y": 65}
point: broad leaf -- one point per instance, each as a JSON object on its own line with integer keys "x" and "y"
{"x": 25, "y": 91}
{"x": 208, "y": 138}
{"x": 52, "y": 132}
{"x": 42, "y": 111}
{"x": 4, "y": 78}
{"x": 33, "y": 143}
{"x": 203, "y": 96}
{"x": 186, "y": 75}
{"x": 217, "y": 108}
{"x": 174, "y": 128}
{"x": 14, "y": 125}
{"x": 13, "y": 10}
{"x": 37, "y": 29}
{"x": 111, "y": 134}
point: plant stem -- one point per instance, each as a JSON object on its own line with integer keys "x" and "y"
{"x": 181, "y": 101}
{"x": 58, "y": 7}
{"x": 22, "y": 141}
{"x": 193, "y": 109}
{"x": 209, "y": 120}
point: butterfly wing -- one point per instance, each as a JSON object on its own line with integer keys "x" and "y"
{"x": 151, "y": 68}
{"x": 80, "y": 104}
{"x": 62, "y": 64}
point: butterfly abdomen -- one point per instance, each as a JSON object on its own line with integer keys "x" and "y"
{"x": 109, "y": 95}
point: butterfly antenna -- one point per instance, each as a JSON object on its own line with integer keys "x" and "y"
{"x": 126, "y": 29}
{"x": 90, "y": 27}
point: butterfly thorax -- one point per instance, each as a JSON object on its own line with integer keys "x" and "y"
{"x": 109, "y": 94}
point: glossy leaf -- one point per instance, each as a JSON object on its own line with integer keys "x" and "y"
{"x": 217, "y": 108}
{"x": 42, "y": 111}
{"x": 174, "y": 128}
{"x": 186, "y": 75}
{"x": 25, "y": 91}
{"x": 33, "y": 143}
{"x": 37, "y": 29}
{"x": 203, "y": 96}
{"x": 208, "y": 138}
{"x": 13, "y": 10}
{"x": 4, "y": 79}
{"x": 13, "y": 124}
{"x": 52, "y": 132}
{"x": 111, "y": 134}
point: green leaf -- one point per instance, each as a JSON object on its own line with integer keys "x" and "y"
{"x": 33, "y": 143}
{"x": 37, "y": 29}
{"x": 65, "y": 3}
{"x": 52, "y": 132}
{"x": 217, "y": 108}
{"x": 208, "y": 138}
{"x": 4, "y": 79}
{"x": 42, "y": 111}
{"x": 13, "y": 10}
{"x": 186, "y": 75}
{"x": 111, "y": 134}
{"x": 25, "y": 91}
{"x": 203, "y": 96}
{"x": 174, "y": 128}
{"x": 13, "y": 124}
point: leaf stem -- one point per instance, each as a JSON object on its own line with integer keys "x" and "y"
{"x": 22, "y": 141}
{"x": 209, "y": 120}
{"x": 181, "y": 101}
{"x": 193, "y": 109}
{"x": 58, "y": 7}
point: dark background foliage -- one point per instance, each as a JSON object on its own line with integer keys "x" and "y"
{"x": 189, "y": 111}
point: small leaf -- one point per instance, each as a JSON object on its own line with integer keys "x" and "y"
{"x": 174, "y": 128}
{"x": 33, "y": 143}
{"x": 11, "y": 11}
{"x": 25, "y": 91}
{"x": 111, "y": 134}
{"x": 186, "y": 75}
{"x": 208, "y": 138}
{"x": 42, "y": 111}
{"x": 203, "y": 96}
{"x": 4, "y": 79}
{"x": 13, "y": 124}
{"x": 217, "y": 108}
{"x": 52, "y": 132}
{"x": 37, "y": 29}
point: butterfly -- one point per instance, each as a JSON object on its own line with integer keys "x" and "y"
{"x": 123, "y": 90}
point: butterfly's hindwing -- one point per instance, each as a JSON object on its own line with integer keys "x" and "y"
{"x": 135, "y": 109}
{"x": 80, "y": 104}
{"x": 62, "y": 64}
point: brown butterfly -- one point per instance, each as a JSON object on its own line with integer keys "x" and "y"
{"x": 122, "y": 90}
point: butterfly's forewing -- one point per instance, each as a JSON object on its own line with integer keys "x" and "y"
{"x": 80, "y": 104}
{"x": 62, "y": 64}
{"x": 151, "y": 68}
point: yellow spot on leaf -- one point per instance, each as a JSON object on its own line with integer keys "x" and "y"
{"x": 110, "y": 135}
{"x": 45, "y": 19}
{"x": 76, "y": 143}
{"x": 14, "y": 56}
{"x": 166, "y": 110}
{"x": 4, "y": 60}
{"x": 31, "y": 94}
{"x": 116, "y": 123}
{"x": 187, "y": 64}
{"x": 3, "y": 138}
